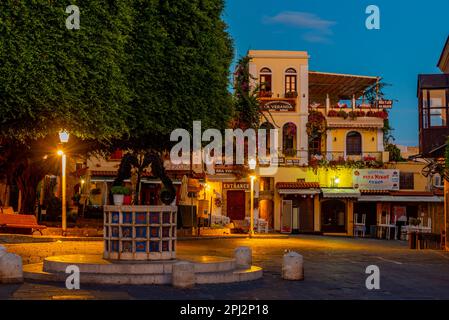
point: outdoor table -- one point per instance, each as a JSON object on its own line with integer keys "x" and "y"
{"x": 420, "y": 229}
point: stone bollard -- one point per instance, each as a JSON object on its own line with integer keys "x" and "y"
{"x": 292, "y": 266}
{"x": 11, "y": 270}
{"x": 183, "y": 275}
{"x": 243, "y": 257}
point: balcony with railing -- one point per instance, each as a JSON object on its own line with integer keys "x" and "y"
{"x": 340, "y": 157}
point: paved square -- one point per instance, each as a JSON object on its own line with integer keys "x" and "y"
{"x": 334, "y": 269}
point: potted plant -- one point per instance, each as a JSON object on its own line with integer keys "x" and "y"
{"x": 265, "y": 94}
{"x": 342, "y": 114}
{"x": 127, "y": 199}
{"x": 291, "y": 94}
{"x": 332, "y": 113}
{"x": 119, "y": 193}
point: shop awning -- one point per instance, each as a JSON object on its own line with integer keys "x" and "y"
{"x": 298, "y": 191}
{"x": 340, "y": 193}
{"x": 299, "y": 187}
{"x": 401, "y": 199}
{"x": 337, "y": 86}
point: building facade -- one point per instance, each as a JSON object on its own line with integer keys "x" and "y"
{"x": 331, "y": 158}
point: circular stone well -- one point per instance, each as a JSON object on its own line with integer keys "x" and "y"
{"x": 139, "y": 249}
{"x": 139, "y": 232}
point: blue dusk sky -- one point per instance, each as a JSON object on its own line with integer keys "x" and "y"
{"x": 409, "y": 42}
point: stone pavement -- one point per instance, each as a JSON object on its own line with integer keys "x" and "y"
{"x": 334, "y": 269}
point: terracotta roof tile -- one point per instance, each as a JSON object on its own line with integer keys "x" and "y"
{"x": 379, "y": 192}
{"x": 297, "y": 185}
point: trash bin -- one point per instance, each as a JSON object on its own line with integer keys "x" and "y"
{"x": 412, "y": 240}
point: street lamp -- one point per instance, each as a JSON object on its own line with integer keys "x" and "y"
{"x": 63, "y": 138}
{"x": 252, "y": 166}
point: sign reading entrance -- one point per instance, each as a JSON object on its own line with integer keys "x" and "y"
{"x": 236, "y": 185}
{"x": 375, "y": 179}
{"x": 278, "y": 105}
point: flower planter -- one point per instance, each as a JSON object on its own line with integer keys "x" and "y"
{"x": 127, "y": 200}
{"x": 118, "y": 199}
{"x": 291, "y": 95}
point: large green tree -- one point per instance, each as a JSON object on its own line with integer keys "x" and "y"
{"x": 53, "y": 78}
{"x": 136, "y": 70}
{"x": 178, "y": 71}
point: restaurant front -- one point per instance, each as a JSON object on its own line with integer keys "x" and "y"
{"x": 299, "y": 200}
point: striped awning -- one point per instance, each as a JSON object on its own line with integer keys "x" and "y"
{"x": 299, "y": 187}
{"x": 340, "y": 193}
{"x": 299, "y": 191}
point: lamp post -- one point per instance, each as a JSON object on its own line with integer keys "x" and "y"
{"x": 63, "y": 138}
{"x": 252, "y": 166}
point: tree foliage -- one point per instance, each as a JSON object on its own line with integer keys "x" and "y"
{"x": 178, "y": 70}
{"x": 395, "y": 152}
{"x": 135, "y": 71}
{"x": 53, "y": 78}
{"x": 246, "y": 100}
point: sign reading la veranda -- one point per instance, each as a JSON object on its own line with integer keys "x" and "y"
{"x": 282, "y": 106}
{"x": 375, "y": 179}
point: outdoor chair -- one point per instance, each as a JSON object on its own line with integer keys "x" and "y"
{"x": 387, "y": 226}
{"x": 262, "y": 225}
{"x": 359, "y": 227}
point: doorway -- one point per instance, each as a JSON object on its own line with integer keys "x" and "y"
{"x": 235, "y": 204}
{"x": 333, "y": 214}
{"x": 266, "y": 210}
{"x": 287, "y": 216}
{"x": 370, "y": 210}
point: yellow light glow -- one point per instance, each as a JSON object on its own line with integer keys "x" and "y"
{"x": 82, "y": 181}
{"x": 337, "y": 180}
{"x": 60, "y": 152}
{"x": 252, "y": 177}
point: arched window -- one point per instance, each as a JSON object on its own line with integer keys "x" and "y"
{"x": 265, "y": 81}
{"x": 267, "y": 127}
{"x": 290, "y": 82}
{"x": 353, "y": 143}
{"x": 289, "y": 139}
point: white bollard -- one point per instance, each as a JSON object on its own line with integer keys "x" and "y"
{"x": 11, "y": 270}
{"x": 243, "y": 257}
{"x": 293, "y": 266}
{"x": 183, "y": 275}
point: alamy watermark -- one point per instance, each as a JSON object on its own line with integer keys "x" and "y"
{"x": 373, "y": 280}
{"x": 73, "y": 20}
{"x": 372, "y": 22}
{"x": 72, "y": 282}
{"x": 212, "y": 153}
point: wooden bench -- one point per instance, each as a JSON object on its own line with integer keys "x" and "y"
{"x": 7, "y": 210}
{"x": 20, "y": 221}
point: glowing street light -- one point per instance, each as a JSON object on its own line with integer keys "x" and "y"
{"x": 63, "y": 138}
{"x": 252, "y": 166}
